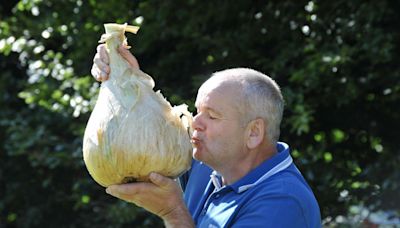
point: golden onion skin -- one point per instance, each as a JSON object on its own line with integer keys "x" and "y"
{"x": 133, "y": 130}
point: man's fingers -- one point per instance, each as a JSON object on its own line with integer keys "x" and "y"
{"x": 127, "y": 55}
{"x": 103, "y": 55}
{"x": 160, "y": 180}
{"x": 98, "y": 74}
{"x": 100, "y": 70}
{"x": 125, "y": 192}
{"x": 123, "y": 189}
{"x": 95, "y": 73}
{"x": 103, "y": 66}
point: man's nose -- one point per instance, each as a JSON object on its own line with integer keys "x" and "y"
{"x": 197, "y": 123}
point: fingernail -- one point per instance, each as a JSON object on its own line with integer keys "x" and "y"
{"x": 108, "y": 191}
{"x": 154, "y": 176}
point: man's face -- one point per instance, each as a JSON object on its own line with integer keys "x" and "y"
{"x": 218, "y": 137}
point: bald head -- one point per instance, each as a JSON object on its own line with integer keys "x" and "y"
{"x": 256, "y": 96}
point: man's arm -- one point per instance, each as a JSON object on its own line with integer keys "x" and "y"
{"x": 161, "y": 196}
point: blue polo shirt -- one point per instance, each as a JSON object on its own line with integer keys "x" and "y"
{"x": 274, "y": 194}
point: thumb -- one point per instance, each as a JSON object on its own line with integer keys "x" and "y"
{"x": 127, "y": 55}
{"x": 123, "y": 189}
{"x": 159, "y": 180}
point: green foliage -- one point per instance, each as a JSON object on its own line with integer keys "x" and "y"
{"x": 337, "y": 64}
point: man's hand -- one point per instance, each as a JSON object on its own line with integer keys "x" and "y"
{"x": 161, "y": 196}
{"x": 101, "y": 68}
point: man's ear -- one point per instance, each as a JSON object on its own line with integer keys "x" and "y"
{"x": 255, "y": 133}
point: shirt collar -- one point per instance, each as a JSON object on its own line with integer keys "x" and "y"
{"x": 269, "y": 167}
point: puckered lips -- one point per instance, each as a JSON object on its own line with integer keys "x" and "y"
{"x": 195, "y": 141}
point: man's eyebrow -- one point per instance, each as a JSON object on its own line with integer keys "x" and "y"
{"x": 208, "y": 108}
{"x": 213, "y": 110}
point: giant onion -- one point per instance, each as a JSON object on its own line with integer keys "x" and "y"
{"x": 133, "y": 130}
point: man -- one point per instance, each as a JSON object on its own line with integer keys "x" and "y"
{"x": 241, "y": 176}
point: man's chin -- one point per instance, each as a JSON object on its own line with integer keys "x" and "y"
{"x": 196, "y": 153}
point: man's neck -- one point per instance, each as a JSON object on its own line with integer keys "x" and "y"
{"x": 234, "y": 172}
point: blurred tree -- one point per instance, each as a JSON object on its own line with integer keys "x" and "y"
{"x": 337, "y": 64}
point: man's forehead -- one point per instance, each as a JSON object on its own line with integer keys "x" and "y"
{"x": 219, "y": 83}
{"x": 206, "y": 88}
{"x": 202, "y": 97}
{"x": 223, "y": 90}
